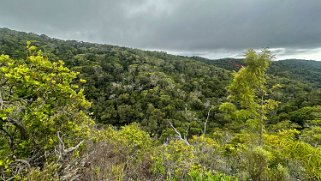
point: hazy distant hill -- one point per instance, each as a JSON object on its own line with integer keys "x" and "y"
{"x": 303, "y": 70}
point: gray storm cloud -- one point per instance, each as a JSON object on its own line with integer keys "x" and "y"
{"x": 180, "y": 25}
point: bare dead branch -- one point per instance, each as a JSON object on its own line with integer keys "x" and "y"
{"x": 61, "y": 147}
{"x": 24, "y": 162}
{"x": 71, "y": 149}
{"x": 179, "y": 135}
{"x": 205, "y": 123}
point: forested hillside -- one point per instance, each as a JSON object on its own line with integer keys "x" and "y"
{"x": 308, "y": 71}
{"x": 157, "y": 116}
{"x": 130, "y": 85}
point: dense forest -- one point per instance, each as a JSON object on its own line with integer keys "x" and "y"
{"x": 73, "y": 110}
{"x": 302, "y": 70}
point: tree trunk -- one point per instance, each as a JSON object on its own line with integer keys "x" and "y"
{"x": 205, "y": 123}
{"x": 23, "y": 131}
{"x": 261, "y": 119}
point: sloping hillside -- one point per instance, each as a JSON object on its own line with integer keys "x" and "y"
{"x": 129, "y": 85}
{"x": 154, "y": 88}
{"x": 308, "y": 71}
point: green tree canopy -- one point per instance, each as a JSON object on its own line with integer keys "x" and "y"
{"x": 40, "y": 103}
{"x": 247, "y": 92}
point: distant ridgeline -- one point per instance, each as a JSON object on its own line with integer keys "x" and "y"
{"x": 154, "y": 88}
{"x": 308, "y": 71}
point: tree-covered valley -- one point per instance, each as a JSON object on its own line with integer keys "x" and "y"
{"x": 73, "y": 110}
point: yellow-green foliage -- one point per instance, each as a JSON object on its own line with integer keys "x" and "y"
{"x": 197, "y": 174}
{"x": 38, "y": 99}
{"x": 134, "y": 138}
{"x": 119, "y": 154}
{"x": 130, "y": 138}
{"x": 258, "y": 161}
{"x": 49, "y": 172}
{"x": 173, "y": 160}
{"x": 204, "y": 142}
{"x": 288, "y": 149}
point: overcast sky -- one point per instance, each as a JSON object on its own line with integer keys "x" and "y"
{"x": 208, "y": 28}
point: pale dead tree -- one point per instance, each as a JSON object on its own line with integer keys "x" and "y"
{"x": 68, "y": 169}
{"x": 205, "y": 123}
{"x": 1, "y": 102}
{"x": 207, "y": 105}
{"x": 184, "y": 139}
{"x": 62, "y": 151}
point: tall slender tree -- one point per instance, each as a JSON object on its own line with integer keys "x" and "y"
{"x": 247, "y": 92}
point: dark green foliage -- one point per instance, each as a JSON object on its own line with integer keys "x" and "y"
{"x": 302, "y": 70}
{"x": 154, "y": 88}
{"x": 299, "y": 80}
{"x": 130, "y": 85}
{"x": 307, "y": 71}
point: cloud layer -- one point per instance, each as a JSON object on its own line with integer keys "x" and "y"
{"x": 180, "y": 25}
